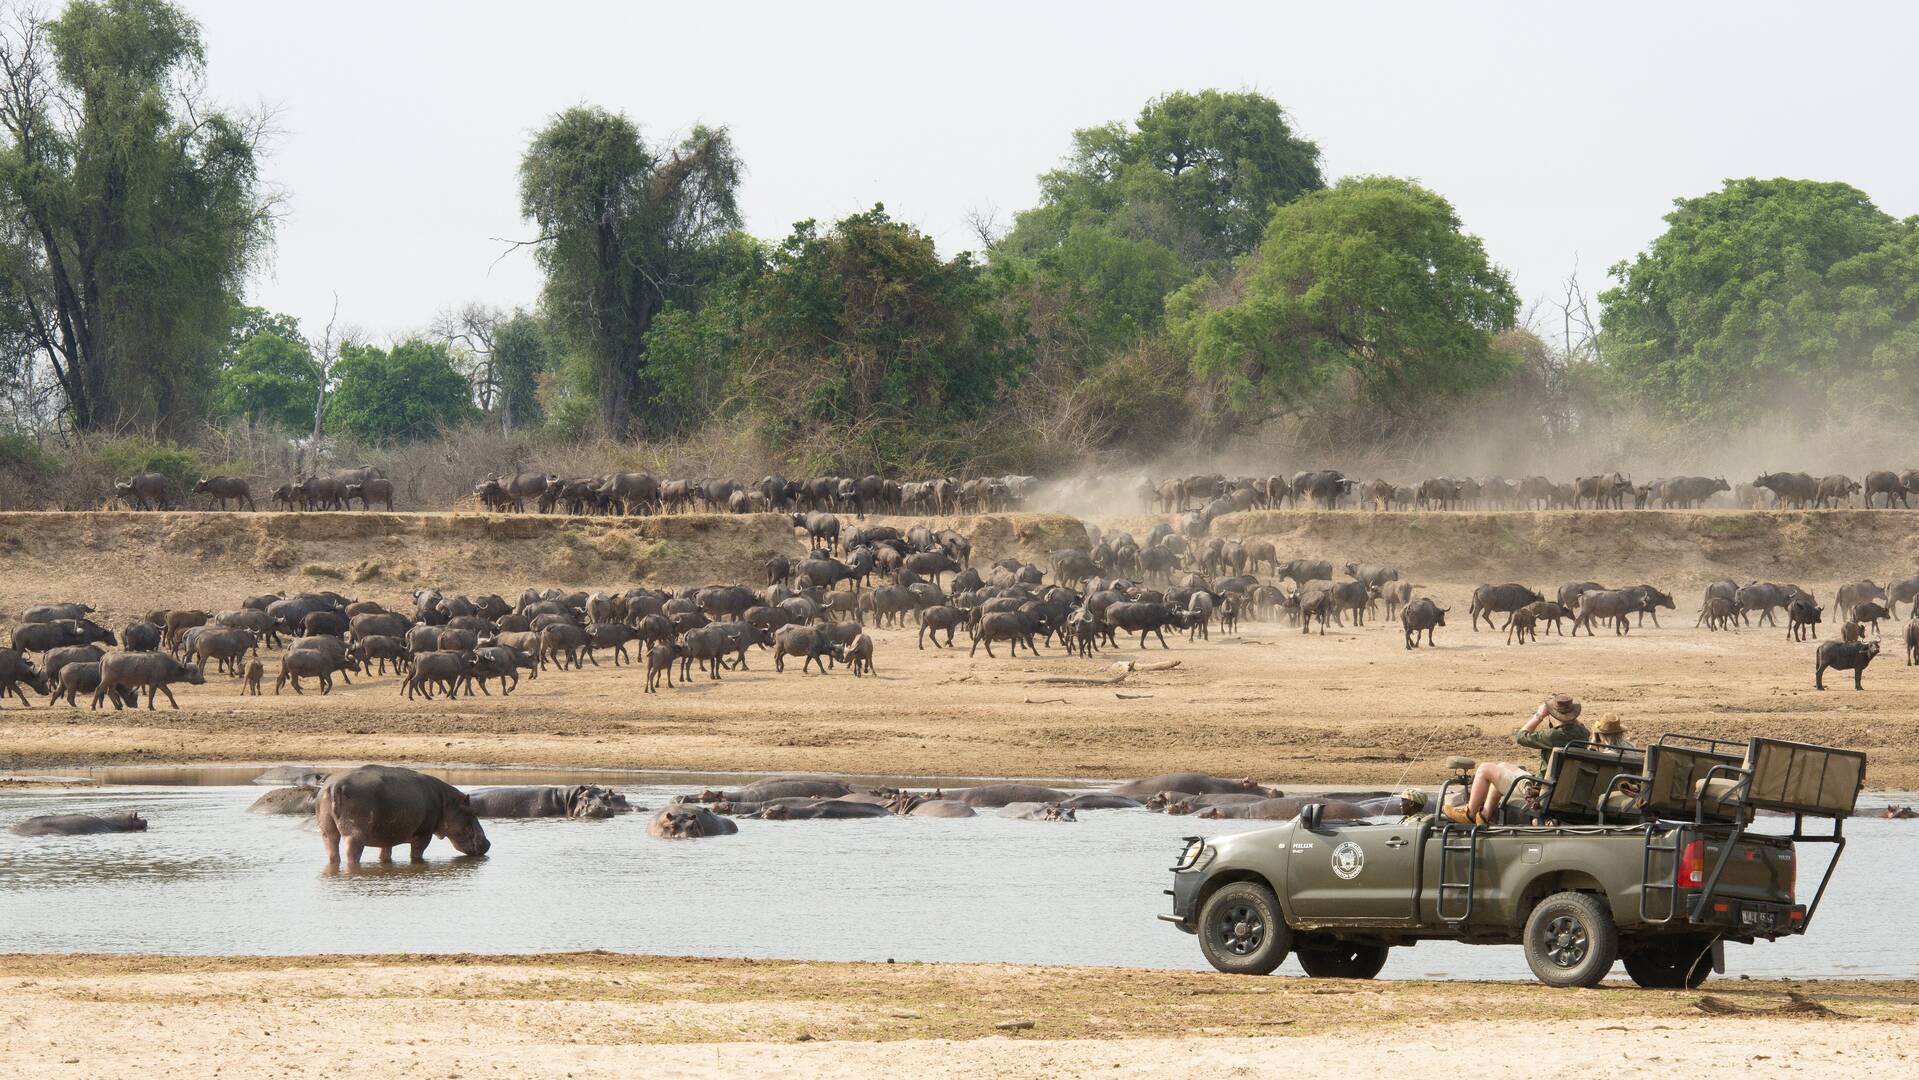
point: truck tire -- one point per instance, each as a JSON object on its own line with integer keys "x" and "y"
{"x": 1242, "y": 930}
{"x": 1341, "y": 959}
{"x": 1571, "y": 940}
{"x": 1676, "y": 963}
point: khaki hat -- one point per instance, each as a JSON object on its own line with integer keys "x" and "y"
{"x": 1414, "y": 797}
{"x": 1609, "y": 725}
{"x": 1563, "y": 706}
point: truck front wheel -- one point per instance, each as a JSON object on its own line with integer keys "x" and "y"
{"x": 1571, "y": 940}
{"x": 1341, "y": 959}
{"x": 1242, "y": 931}
{"x": 1674, "y": 963}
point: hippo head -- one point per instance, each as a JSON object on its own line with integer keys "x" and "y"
{"x": 709, "y": 795}
{"x": 1056, "y": 812}
{"x": 132, "y": 821}
{"x": 1181, "y": 806}
{"x": 777, "y": 812}
{"x": 593, "y": 802}
{"x": 1158, "y": 800}
{"x": 1210, "y": 813}
{"x": 461, "y": 827}
{"x": 680, "y": 822}
{"x": 902, "y": 803}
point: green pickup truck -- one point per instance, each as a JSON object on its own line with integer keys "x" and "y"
{"x": 1655, "y": 857}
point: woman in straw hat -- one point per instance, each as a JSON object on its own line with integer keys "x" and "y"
{"x": 1554, "y": 724}
{"x": 1609, "y": 732}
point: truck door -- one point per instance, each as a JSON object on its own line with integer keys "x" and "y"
{"x": 1352, "y": 873}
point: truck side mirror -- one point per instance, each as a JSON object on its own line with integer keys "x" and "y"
{"x": 1309, "y": 815}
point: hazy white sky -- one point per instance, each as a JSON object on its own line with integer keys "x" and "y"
{"x": 1559, "y": 131}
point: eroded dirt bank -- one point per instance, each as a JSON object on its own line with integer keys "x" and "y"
{"x": 600, "y": 1014}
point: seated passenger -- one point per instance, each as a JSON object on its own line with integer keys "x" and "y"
{"x": 1559, "y": 715}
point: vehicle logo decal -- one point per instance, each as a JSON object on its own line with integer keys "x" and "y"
{"x": 1348, "y": 861}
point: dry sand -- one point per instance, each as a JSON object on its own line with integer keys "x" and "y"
{"x": 598, "y": 1014}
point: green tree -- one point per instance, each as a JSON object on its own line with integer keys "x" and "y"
{"x": 134, "y": 209}
{"x": 521, "y": 353}
{"x": 1365, "y": 298}
{"x": 249, "y": 320}
{"x": 407, "y": 393}
{"x": 269, "y": 379}
{"x": 624, "y": 229}
{"x": 862, "y": 337}
{"x": 1767, "y": 293}
{"x": 1197, "y": 174}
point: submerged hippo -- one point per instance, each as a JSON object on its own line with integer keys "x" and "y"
{"x": 1033, "y": 811}
{"x": 80, "y": 824}
{"x": 1193, "y": 784}
{"x": 908, "y": 805}
{"x": 1335, "y": 809}
{"x": 1193, "y": 804}
{"x": 780, "y": 787}
{"x": 824, "y": 809}
{"x": 295, "y": 775}
{"x": 384, "y": 806}
{"x": 1901, "y": 812}
{"x": 992, "y": 796}
{"x": 578, "y": 801}
{"x": 297, "y": 801}
{"x": 684, "y": 821}
{"x": 1101, "y": 800}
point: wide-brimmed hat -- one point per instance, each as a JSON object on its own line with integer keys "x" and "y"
{"x": 1609, "y": 725}
{"x": 1563, "y": 706}
{"x": 1414, "y": 797}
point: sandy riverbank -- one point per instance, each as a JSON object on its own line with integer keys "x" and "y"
{"x": 598, "y": 1014}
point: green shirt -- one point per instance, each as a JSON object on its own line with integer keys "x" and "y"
{"x": 1549, "y": 737}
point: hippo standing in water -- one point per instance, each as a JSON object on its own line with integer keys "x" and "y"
{"x": 80, "y": 824}
{"x": 298, "y": 801}
{"x": 579, "y": 801}
{"x": 682, "y": 821}
{"x": 384, "y": 806}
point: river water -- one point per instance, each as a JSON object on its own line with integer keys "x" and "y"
{"x": 209, "y": 878}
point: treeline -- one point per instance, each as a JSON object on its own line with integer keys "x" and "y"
{"x": 1187, "y": 278}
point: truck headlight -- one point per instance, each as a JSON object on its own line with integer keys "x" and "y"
{"x": 1195, "y": 855}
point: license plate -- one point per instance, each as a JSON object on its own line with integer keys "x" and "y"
{"x": 1764, "y": 919}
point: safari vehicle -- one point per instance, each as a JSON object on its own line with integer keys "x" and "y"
{"x": 1655, "y": 857}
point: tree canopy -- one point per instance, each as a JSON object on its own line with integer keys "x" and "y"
{"x": 1197, "y": 174}
{"x": 625, "y": 229}
{"x": 408, "y": 392}
{"x": 1365, "y": 299}
{"x": 1768, "y": 294}
{"x": 269, "y": 379}
{"x": 133, "y": 209}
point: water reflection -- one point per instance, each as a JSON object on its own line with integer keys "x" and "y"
{"x": 208, "y": 877}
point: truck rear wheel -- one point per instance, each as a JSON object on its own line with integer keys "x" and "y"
{"x": 1341, "y": 959}
{"x": 1242, "y": 931}
{"x": 1676, "y": 963}
{"x": 1571, "y": 940}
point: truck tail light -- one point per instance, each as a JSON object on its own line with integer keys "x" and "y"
{"x": 1692, "y": 866}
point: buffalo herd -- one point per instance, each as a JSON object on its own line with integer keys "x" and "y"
{"x": 1207, "y": 495}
